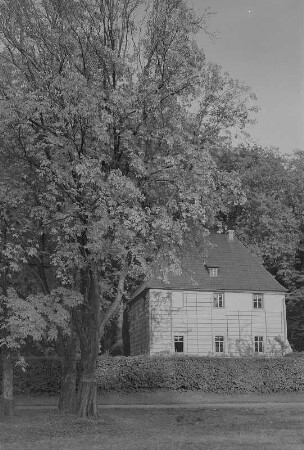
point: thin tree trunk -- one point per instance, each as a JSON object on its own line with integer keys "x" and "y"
{"x": 7, "y": 400}
{"x": 118, "y": 346}
{"x": 67, "y": 398}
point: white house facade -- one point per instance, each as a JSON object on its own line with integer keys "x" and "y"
{"x": 225, "y": 304}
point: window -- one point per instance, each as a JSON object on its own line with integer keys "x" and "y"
{"x": 219, "y": 344}
{"x": 213, "y": 272}
{"x": 218, "y": 300}
{"x": 258, "y": 344}
{"x": 179, "y": 344}
{"x": 258, "y": 301}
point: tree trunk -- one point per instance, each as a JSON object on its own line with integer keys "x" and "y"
{"x": 90, "y": 328}
{"x": 67, "y": 398}
{"x": 7, "y": 400}
{"x": 118, "y": 347}
{"x": 86, "y": 404}
{"x": 87, "y": 396}
{"x": 87, "y": 325}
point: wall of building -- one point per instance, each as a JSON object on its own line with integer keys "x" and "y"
{"x": 161, "y": 321}
{"x": 193, "y": 316}
{"x": 139, "y": 325}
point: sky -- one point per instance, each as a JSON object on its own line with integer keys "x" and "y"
{"x": 261, "y": 42}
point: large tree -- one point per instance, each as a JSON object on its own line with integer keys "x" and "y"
{"x": 112, "y": 106}
{"x": 295, "y": 276}
{"x": 265, "y": 221}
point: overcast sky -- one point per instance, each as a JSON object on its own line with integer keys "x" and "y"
{"x": 261, "y": 42}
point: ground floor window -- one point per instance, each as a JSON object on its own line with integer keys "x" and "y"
{"x": 219, "y": 344}
{"x": 258, "y": 344}
{"x": 179, "y": 344}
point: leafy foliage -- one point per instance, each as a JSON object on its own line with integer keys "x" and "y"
{"x": 270, "y": 220}
{"x": 107, "y": 113}
{"x": 265, "y": 222}
{"x": 37, "y": 316}
{"x": 39, "y": 376}
{"x": 212, "y": 375}
{"x": 207, "y": 374}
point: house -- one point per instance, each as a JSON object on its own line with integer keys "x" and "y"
{"x": 223, "y": 303}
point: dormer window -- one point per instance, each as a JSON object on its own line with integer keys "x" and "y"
{"x": 213, "y": 272}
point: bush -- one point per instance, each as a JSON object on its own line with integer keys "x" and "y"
{"x": 176, "y": 372}
{"x": 40, "y": 376}
{"x": 207, "y": 374}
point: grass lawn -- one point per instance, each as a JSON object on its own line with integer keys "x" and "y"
{"x": 277, "y": 428}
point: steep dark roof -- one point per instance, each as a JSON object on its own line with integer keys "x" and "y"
{"x": 238, "y": 270}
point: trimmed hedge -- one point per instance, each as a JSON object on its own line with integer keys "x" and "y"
{"x": 176, "y": 372}
{"x": 207, "y": 374}
{"x": 41, "y": 376}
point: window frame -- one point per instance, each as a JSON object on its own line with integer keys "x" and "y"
{"x": 219, "y": 344}
{"x": 179, "y": 339}
{"x": 259, "y": 344}
{"x": 218, "y": 294}
{"x": 213, "y": 272}
{"x": 256, "y": 298}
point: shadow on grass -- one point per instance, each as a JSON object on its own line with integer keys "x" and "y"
{"x": 228, "y": 428}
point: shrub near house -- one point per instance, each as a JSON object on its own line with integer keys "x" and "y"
{"x": 207, "y": 374}
{"x": 175, "y": 372}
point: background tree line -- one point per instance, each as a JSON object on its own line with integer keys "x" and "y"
{"x": 116, "y": 153}
{"x": 270, "y": 220}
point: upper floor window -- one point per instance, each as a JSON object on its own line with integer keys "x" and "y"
{"x": 258, "y": 301}
{"x": 213, "y": 271}
{"x": 218, "y": 300}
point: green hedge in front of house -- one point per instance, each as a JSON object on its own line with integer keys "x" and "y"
{"x": 39, "y": 376}
{"x": 207, "y": 374}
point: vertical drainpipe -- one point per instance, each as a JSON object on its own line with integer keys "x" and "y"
{"x": 212, "y": 337}
{"x": 284, "y": 318}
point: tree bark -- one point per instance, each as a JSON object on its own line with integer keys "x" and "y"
{"x": 118, "y": 346}
{"x": 86, "y": 404}
{"x": 7, "y": 398}
{"x": 87, "y": 326}
{"x": 90, "y": 329}
{"x": 87, "y": 395}
{"x": 67, "y": 398}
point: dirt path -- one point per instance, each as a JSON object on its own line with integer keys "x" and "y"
{"x": 278, "y": 405}
{"x": 274, "y": 405}
{"x": 176, "y": 400}
{"x": 196, "y": 398}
